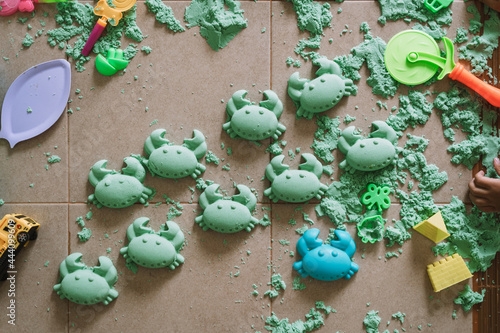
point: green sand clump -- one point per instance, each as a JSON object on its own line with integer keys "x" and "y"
{"x": 475, "y": 24}
{"x": 431, "y": 29}
{"x": 217, "y": 25}
{"x": 481, "y": 47}
{"x": 312, "y": 17}
{"x": 461, "y": 110}
{"x": 314, "y": 321}
{"x": 78, "y": 20}
{"x": 473, "y": 235}
{"x": 371, "y": 322}
{"x": 326, "y": 137}
{"x": 467, "y": 298}
{"x": 461, "y": 36}
{"x": 164, "y": 15}
{"x": 412, "y": 9}
{"x": 414, "y": 109}
{"x": 28, "y": 40}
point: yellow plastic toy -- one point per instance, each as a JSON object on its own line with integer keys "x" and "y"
{"x": 447, "y": 272}
{"x": 433, "y": 228}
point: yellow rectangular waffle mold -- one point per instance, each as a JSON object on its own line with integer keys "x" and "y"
{"x": 447, "y": 272}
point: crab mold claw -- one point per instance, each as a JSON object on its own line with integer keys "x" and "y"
{"x": 327, "y": 66}
{"x": 134, "y": 169}
{"x": 272, "y": 103}
{"x": 155, "y": 140}
{"x": 295, "y": 86}
{"x": 245, "y": 197}
{"x": 197, "y": 145}
{"x": 348, "y": 138}
{"x": 98, "y": 172}
{"x": 237, "y": 102}
{"x": 344, "y": 242}
{"x": 138, "y": 227}
{"x": 171, "y": 231}
{"x": 71, "y": 264}
{"x": 308, "y": 241}
{"x": 276, "y": 167}
{"x": 380, "y": 129}
{"x": 107, "y": 270}
{"x": 311, "y": 164}
{"x": 209, "y": 196}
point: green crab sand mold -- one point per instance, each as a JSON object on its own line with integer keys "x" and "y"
{"x": 368, "y": 154}
{"x": 87, "y": 285}
{"x": 295, "y": 185}
{"x": 152, "y": 249}
{"x": 217, "y": 25}
{"x": 322, "y": 93}
{"x": 166, "y": 160}
{"x": 252, "y": 122}
{"x": 227, "y": 215}
{"x": 118, "y": 190}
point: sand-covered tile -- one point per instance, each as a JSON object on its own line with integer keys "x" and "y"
{"x": 386, "y": 280}
{"x": 162, "y": 89}
{"x": 37, "y": 268}
{"x": 213, "y": 284}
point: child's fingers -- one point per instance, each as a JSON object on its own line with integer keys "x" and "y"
{"x": 496, "y": 164}
{"x": 488, "y": 209}
{"x": 480, "y": 180}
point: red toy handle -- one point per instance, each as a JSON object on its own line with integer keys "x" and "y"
{"x": 94, "y": 36}
{"x": 490, "y": 93}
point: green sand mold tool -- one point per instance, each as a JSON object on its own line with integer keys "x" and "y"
{"x": 413, "y": 57}
{"x": 436, "y": 5}
{"x": 112, "y": 63}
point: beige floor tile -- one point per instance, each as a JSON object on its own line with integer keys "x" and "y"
{"x": 210, "y": 291}
{"x": 28, "y": 180}
{"x": 37, "y": 268}
{"x": 175, "y": 100}
{"x": 384, "y": 285}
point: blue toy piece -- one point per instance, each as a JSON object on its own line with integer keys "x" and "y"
{"x": 326, "y": 262}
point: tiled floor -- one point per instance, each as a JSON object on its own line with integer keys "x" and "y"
{"x": 184, "y": 85}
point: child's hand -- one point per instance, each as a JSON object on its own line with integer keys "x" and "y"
{"x": 494, "y": 4}
{"x": 485, "y": 191}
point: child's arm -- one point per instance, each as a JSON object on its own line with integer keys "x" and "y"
{"x": 495, "y": 4}
{"x": 485, "y": 191}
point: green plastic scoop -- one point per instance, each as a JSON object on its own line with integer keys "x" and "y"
{"x": 413, "y": 57}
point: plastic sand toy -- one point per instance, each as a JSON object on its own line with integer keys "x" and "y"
{"x": 326, "y": 262}
{"x": 413, "y": 57}
{"x": 35, "y": 100}
{"x": 376, "y": 199}
{"x": 227, "y": 215}
{"x": 447, "y": 272}
{"x": 115, "y": 189}
{"x": 368, "y": 154}
{"x": 320, "y": 94}
{"x": 9, "y": 7}
{"x": 107, "y": 13}
{"x": 252, "y": 122}
{"x": 23, "y": 230}
{"x": 436, "y": 5}
{"x": 152, "y": 249}
{"x": 166, "y": 160}
{"x": 295, "y": 185}
{"x": 87, "y": 285}
{"x": 113, "y": 62}
{"x": 433, "y": 228}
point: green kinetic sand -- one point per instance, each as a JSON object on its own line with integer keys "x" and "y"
{"x": 371, "y": 322}
{"x": 77, "y": 20}
{"x": 314, "y": 321}
{"x": 413, "y": 9}
{"x": 481, "y": 47}
{"x": 152, "y": 249}
{"x": 312, "y": 17}
{"x": 468, "y": 298}
{"x": 164, "y": 15}
{"x": 217, "y": 25}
